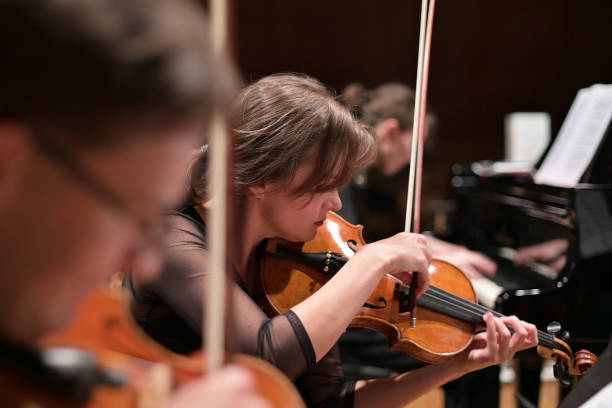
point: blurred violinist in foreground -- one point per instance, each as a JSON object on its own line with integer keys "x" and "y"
{"x": 100, "y": 102}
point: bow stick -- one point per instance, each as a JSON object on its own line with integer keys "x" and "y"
{"x": 214, "y": 308}
{"x": 413, "y": 201}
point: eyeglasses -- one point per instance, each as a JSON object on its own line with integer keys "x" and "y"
{"x": 151, "y": 229}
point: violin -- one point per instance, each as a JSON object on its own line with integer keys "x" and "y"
{"x": 448, "y": 312}
{"x": 120, "y": 366}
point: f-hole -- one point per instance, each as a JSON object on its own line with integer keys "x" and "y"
{"x": 380, "y": 299}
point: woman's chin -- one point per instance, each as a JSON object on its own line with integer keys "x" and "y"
{"x": 303, "y": 236}
{"x": 311, "y": 236}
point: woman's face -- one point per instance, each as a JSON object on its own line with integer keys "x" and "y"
{"x": 295, "y": 218}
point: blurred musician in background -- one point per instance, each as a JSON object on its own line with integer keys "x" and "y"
{"x": 376, "y": 198}
{"x": 100, "y": 103}
{"x": 372, "y": 196}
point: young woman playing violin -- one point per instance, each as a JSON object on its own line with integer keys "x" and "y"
{"x": 97, "y": 111}
{"x": 295, "y": 146}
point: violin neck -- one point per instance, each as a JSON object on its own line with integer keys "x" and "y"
{"x": 455, "y": 306}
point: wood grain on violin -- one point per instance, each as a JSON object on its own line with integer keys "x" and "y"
{"x": 448, "y": 312}
{"x": 104, "y": 328}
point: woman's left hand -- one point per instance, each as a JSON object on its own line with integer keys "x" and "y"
{"x": 498, "y": 344}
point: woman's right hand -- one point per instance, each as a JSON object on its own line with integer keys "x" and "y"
{"x": 328, "y": 312}
{"x": 400, "y": 255}
{"x": 230, "y": 387}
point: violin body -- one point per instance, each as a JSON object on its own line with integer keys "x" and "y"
{"x": 447, "y": 314}
{"x": 285, "y": 283}
{"x": 103, "y": 327}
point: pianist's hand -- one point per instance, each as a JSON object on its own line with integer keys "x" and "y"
{"x": 497, "y": 344}
{"x": 474, "y": 264}
{"x": 551, "y": 253}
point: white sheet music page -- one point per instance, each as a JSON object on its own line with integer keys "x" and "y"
{"x": 579, "y": 137}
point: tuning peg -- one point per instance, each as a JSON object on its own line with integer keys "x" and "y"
{"x": 565, "y": 335}
{"x": 558, "y": 370}
{"x": 566, "y": 379}
{"x": 553, "y": 328}
{"x": 562, "y": 374}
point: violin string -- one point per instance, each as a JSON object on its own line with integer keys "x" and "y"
{"x": 544, "y": 338}
{"x": 469, "y": 311}
{"x": 446, "y": 306}
{"x": 449, "y": 299}
{"x": 459, "y": 301}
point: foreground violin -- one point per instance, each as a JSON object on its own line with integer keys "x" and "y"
{"x": 448, "y": 312}
{"x": 102, "y": 359}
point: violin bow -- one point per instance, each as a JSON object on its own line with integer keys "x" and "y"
{"x": 413, "y": 201}
{"x": 214, "y": 306}
{"x": 553, "y": 348}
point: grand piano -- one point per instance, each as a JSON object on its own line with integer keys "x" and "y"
{"x": 502, "y": 214}
{"x": 567, "y": 232}
{"x": 498, "y": 216}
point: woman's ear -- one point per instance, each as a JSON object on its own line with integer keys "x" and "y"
{"x": 258, "y": 191}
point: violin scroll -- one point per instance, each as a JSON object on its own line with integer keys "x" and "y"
{"x": 567, "y": 363}
{"x": 583, "y": 361}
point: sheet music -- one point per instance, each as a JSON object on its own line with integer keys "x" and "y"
{"x": 579, "y": 137}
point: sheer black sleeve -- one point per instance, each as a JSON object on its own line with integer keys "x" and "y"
{"x": 281, "y": 340}
{"x": 173, "y": 315}
{"x": 325, "y": 385}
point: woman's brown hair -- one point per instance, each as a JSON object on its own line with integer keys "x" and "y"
{"x": 284, "y": 121}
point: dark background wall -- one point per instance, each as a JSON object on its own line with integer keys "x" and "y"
{"x": 489, "y": 57}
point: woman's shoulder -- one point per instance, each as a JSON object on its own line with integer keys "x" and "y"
{"x": 186, "y": 225}
{"x": 186, "y": 216}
